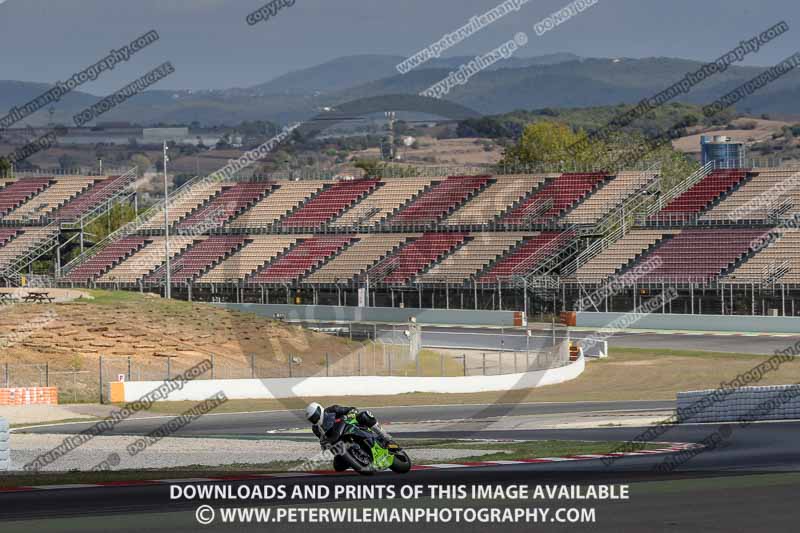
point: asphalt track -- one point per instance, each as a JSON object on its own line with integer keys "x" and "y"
{"x": 489, "y": 339}
{"x": 748, "y": 483}
{"x": 258, "y": 423}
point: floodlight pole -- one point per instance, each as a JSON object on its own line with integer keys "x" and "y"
{"x": 168, "y": 289}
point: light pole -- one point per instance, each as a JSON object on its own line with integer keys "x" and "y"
{"x": 168, "y": 290}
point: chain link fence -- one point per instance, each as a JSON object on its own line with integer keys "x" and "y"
{"x": 372, "y": 351}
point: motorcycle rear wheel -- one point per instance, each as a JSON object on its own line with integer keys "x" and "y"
{"x": 340, "y": 464}
{"x": 401, "y": 463}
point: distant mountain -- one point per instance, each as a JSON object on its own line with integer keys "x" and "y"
{"x": 351, "y": 71}
{"x": 557, "y": 81}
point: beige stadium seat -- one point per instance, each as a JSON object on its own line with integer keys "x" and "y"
{"x": 63, "y": 190}
{"x": 376, "y": 207}
{"x": 278, "y": 203}
{"x": 496, "y": 199}
{"x": 609, "y": 197}
{"x": 619, "y": 254}
{"x": 259, "y": 250}
{"x": 359, "y": 257}
{"x": 24, "y": 243}
{"x": 146, "y": 260}
{"x": 754, "y": 200}
{"x": 473, "y": 257}
{"x": 783, "y": 253}
{"x": 187, "y": 202}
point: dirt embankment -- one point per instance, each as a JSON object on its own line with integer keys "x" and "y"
{"x": 150, "y": 330}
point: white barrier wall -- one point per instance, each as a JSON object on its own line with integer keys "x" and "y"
{"x": 241, "y": 389}
{"x": 776, "y": 402}
{"x": 5, "y": 452}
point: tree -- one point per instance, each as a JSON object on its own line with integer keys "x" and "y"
{"x": 552, "y": 145}
{"x": 142, "y": 164}
{"x": 371, "y": 167}
{"x": 118, "y": 216}
{"x": 5, "y": 167}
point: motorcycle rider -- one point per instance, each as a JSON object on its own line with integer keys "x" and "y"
{"x": 316, "y": 414}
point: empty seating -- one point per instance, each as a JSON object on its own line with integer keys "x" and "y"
{"x": 198, "y": 258}
{"x": 106, "y": 258}
{"x": 228, "y": 203}
{"x": 24, "y": 242}
{"x": 472, "y": 257}
{"x": 699, "y": 256}
{"x": 146, "y": 260}
{"x": 258, "y": 250}
{"x": 96, "y": 195}
{"x": 526, "y": 256}
{"x": 359, "y": 257}
{"x": 608, "y": 198}
{"x": 779, "y": 262}
{"x": 42, "y": 205}
{"x": 384, "y": 201}
{"x": 18, "y": 192}
{"x": 415, "y": 256}
{"x": 769, "y": 191}
{"x": 611, "y": 260}
{"x": 498, "y": 198}
{"x": 439, "y": 200}
{"x": 554, "y": 198}
{"x": 6, "y": 234}
{"x": 181, "y": 206}
{"x": 278, "y": 203}
{"x": 301, "y": 259}
{"x": 688, "y": 205}
{"x": 329, "y": 203}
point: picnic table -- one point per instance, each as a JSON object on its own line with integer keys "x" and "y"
{"x": 6, "y": 297}
{"x": 38, "y": 297}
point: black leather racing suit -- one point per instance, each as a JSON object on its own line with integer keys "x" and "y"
{"x": 364, "y": 418}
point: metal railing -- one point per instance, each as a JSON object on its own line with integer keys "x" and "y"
{"x": 122, "y": 193}
{"x": 37, "y": 250}
{"x": 136, "y": 224}
{"x": 666, "y": 197}
{"x": 617, "y": 223}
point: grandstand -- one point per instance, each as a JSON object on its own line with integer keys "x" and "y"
{"x": 554, "y": 234}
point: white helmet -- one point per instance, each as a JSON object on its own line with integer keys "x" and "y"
{"x": 314, "y": 412}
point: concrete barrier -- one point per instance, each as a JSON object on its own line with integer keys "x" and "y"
{"x": 348, "y": 386}
{"x": 736, "y": 323}
{"x": 383, "y": 315}
{"x": 5, "y": 452}
{"x": 775, "y": 402}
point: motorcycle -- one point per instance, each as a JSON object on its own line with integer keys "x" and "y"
{"x": 360, "y": 448}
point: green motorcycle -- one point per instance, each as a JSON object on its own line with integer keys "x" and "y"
{"x": 358, "y": 447}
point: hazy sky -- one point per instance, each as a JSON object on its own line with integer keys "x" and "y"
{"x": 211, "y": 45}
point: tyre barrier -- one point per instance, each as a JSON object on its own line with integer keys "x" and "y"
{"x": 745, "y": 404}
{"x": 5, "y": 452}
{"x": 29, "y": 396}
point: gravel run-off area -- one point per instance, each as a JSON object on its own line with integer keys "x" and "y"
{"x": 174, "y": 452}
